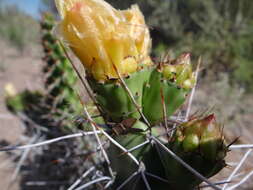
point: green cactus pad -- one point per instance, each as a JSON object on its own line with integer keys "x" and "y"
{"x": 115, "y": 102}
{"x": 174, "y": 97}
{"x": 125, "y": 166}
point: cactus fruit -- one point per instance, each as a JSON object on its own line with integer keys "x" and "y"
{"x": 200, "y": 143}
{"x": 169, "y": 84}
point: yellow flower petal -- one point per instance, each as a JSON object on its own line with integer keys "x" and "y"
{"x": 103, "y": 38}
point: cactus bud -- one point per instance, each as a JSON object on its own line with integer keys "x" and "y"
{"x": 181, "y": 70}
{"x": 200, "y": 143}
{"x": 174, "y": 81}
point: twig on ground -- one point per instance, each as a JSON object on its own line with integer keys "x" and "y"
{"x": 37, "y": 126}
{"x": 49, "y": 141}
{"x": 217, "y": 183}
{"x": 241, "y": 182}
{"x": 240, "y": 146}
{"x": 77, "y": 182}
{"x": 23, "y": 158}
{"x": 93, "y": 182}
{"x": 237, "y": 167}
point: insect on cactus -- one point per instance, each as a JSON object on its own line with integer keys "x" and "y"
{"x": 136, "y": 96}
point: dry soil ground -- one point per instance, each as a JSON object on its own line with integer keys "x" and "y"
{"x": 23, "y": 71}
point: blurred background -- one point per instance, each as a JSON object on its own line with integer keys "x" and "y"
{"x": 220, "y": 31}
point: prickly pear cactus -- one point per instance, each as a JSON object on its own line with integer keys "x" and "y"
{"x": 60, "y": 77}
{"x": 113, "y": 46}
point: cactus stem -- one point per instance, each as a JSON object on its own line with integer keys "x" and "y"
{"x": 49, "y": 141}
{"x": 237, "y": 167}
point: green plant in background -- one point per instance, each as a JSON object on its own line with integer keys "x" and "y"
{"x": 134, "y": 96}
{"x": 16, "y": 27}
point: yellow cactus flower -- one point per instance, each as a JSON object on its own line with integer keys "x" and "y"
{"x": 103, "y": 38}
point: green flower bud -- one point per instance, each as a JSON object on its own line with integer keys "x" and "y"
{"x": 191, "y": 142}
{"x": 200, "y": 143}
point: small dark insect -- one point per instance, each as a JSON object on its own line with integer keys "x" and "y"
{"x": 126, "y": 126}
